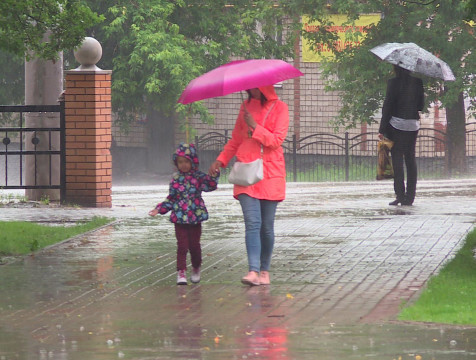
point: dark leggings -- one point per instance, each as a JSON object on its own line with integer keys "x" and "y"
{"x": 188, "y": 239}
{"x": 403, "y": 150}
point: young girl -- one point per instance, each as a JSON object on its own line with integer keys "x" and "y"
{"x": 188, "y": 209}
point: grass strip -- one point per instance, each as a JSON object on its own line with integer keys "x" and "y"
{"x": 23, "y": 237}
{"x": 450, "y": 295}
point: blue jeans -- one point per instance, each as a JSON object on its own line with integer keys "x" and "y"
{"x": 259, "y": 227}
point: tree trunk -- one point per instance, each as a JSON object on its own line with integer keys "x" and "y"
{"x": 43, "y": 86}
{"x": 161, "y": 140}
{"x": 456, "y": 136}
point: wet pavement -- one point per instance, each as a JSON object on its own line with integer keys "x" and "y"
{"x": 344, "y": 263}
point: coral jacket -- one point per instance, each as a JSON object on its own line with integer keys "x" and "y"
{"x": 271, "y": 134}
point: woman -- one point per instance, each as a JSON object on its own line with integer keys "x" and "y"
{"x": 263, "y": 121}
{"x": 400, "y": 123}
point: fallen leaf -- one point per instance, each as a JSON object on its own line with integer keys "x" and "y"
{"x": 289, "y": 296}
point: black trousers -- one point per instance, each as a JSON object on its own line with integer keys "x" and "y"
{"x": 403, "y": 150}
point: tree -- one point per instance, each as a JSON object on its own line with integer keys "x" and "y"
{"x": 23, "y": 26}
{"x": 155, "y": 47}
{"x": 471, "y": 10}
{"x": 439, "y": 27}
{"x": 12, "y": 69}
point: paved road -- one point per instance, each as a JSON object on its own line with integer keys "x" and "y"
{"x": 344, "y": 263}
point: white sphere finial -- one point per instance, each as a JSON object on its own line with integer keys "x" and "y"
{"x": 88, "y": 54}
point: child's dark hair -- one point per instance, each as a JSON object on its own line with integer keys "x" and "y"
{"x": 263, "y": 98}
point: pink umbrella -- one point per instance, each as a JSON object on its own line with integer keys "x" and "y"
{"x": 237, "y": 76}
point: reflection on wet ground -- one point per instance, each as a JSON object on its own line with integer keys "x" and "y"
{"x": 342, "y": 266}
{"x": 185, "y": 323}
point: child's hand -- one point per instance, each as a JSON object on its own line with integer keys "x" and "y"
{"x": 153, "y": 212}
{"x": 214, "y": 169}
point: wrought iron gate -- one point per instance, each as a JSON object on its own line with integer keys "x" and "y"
{"x": 13, "y": 149}
{"x": 332, "y": 157}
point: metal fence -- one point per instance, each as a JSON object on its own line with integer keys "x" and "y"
{"x": 330, "y": 157}
{"x": 35, "y": 145}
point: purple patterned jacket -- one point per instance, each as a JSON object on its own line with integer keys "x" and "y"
{"x": 185, "y": 190}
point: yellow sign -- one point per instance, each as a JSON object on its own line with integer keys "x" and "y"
{"x": 342, "y": 30}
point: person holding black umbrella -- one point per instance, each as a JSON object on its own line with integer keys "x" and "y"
{"x": 400, "y": 123}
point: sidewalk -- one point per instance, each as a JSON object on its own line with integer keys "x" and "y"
{"x": 343, "y": 264}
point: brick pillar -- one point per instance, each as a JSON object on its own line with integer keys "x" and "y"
{"x": 88, "y": 137}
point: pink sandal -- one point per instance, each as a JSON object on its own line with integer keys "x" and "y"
{"x": 264, "y": 278}
{"x": 251, "y": 279}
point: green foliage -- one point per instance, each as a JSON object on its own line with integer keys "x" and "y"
{"x": 45, "y": 200}
{"x": 156, "y": 47}
{"x": 437, "y": 26}
{"x": 471, "y": 9}
{"x": 22, "y": 237}
{"x": 43, "y": 28}
{"x": 12, "y": 87}
{"x": 35, "y": 245}
{"x": 449, "y": 296}
{"x": 10, "y": 198}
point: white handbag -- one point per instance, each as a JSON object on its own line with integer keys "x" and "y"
{"x": 246, "y": 174}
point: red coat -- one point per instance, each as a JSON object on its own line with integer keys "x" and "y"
{"x": 271, "y": 135}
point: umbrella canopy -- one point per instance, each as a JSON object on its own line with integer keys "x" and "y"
{"x": 237, "y": 76}
{"x": 412, "y": 57}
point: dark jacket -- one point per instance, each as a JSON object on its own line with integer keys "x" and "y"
{"x": 404, "y": 98}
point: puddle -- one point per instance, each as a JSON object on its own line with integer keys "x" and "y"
{"x": 112, "y": 293}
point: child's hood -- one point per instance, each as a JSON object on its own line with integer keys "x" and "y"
{"x": 187, "y": 151}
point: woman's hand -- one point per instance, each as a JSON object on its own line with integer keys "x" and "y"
{"x": 215, "y": 168}
{"x": 380, "y": 136}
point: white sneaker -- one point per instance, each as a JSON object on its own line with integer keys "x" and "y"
{"x": 195, "y": 277}
{"x": 181, "y": 277}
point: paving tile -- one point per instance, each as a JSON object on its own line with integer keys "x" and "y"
{"x": 343, "y": 259}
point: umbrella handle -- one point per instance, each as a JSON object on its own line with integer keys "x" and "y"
{"x": 187, "y": 132}
{"x": 250, "y": 129}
